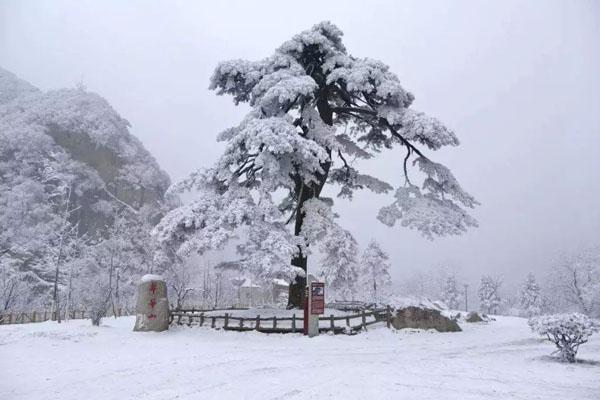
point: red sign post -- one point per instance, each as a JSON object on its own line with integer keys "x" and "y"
{"x": 314, "y": 304}
{"x": 317, "y": 298}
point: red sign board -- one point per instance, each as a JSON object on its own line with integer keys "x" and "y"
{"x": 317, "y": 297}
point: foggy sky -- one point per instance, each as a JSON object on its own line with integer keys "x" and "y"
{"x": 518, "y": 82}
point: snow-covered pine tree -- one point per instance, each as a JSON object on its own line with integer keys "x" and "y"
{"x": 314, "y": 109}
{"x": 530, "y": 297}
{"x": 339, "y": 264}
{"x": 375, "y": 272}
{"x": 451, "y": 294}
{"x": 489, "y": 298}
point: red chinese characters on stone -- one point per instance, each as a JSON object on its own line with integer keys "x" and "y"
{"x": 153, "y": 287}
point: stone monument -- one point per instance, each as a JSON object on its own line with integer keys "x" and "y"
{"x": 152, "y": 307}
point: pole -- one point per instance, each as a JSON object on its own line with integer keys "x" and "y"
{"x": 313, "y": 319}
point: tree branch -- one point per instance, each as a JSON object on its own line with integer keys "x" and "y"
{"x": 128, "y": 206}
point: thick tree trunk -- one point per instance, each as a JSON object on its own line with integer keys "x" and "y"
{"x": 303, "y": 193}
{"x": 296, "y": 291}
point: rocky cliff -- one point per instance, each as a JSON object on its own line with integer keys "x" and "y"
{"x": 74, "y": 138}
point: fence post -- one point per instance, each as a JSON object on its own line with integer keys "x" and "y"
{"x": 201, "y": 319}
{"x": 226, "y": 321}
{"x": 83, "y": 314}
{"x": 348, "y": 321}
{"x": 190, "y": 320}
{"x": 388, "y": 317}
{"x": 33, "y": 317}
{"x": 10, "y": 318}
{"x": 274, "y": 322}
{"x": 242, "y": 322}
{"x": 257, "y": 325}
{"x": 331, "y": 320}
{"x": 364, "y": 319}
{"x": 212, "y": 323}
{"x": 294, "y": 323}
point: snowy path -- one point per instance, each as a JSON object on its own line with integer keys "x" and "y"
{"x": 502, "y": 360}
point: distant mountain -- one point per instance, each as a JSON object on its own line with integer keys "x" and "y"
{"x": 66, "y": 152}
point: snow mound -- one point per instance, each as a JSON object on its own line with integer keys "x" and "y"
{"x": 399, "y": 302}
{"x": 151, "y": 277}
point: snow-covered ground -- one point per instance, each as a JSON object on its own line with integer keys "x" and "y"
{"x": 499, "y": 360}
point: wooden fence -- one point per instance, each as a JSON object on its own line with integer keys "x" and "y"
{"x": 41, "y": 316}
{"x": 341, "y": 324}
{"x": 336, "y": 324}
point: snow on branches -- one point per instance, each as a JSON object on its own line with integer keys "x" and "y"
{"x": 566, "y": 331}
{"x": 432, "y": 212}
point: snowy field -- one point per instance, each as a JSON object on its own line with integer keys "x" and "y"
{"x": 500, "y": 360}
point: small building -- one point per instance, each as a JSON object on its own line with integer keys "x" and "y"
{"x": 280, "y": 291}
{"x": 250, "y": 294}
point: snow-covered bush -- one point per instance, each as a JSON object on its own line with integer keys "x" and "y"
{"x": 97, "y": 301}
{"x": 566, "y": 331}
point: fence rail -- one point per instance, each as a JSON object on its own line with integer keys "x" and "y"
{"x": 274, "y": 324}
{"x": 41, "y": 316}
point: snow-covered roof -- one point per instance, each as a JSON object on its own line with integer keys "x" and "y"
{"x": 248, "y": 284}
{"x": 281, "y": 282}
